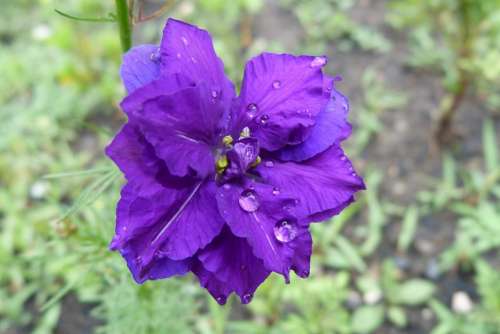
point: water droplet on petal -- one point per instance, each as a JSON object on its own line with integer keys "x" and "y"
{"x": 249, "y": 201}
{"x": 353, "y": 174}
{"x": 226, "y": 186}
{"x": 342, "y": 158}
{"x": 285, "y": 231}
{"x": 276, "y": 191}
{"x": 252, "y": 109}
{"x": 263, "y": 119}
{"x": 276, "y": 84}
{"x": 318, "y": 61}
{"x": 247, "y": 298}
{"x": 178, "y": 55}
{"x": 124, "y": 228}
{"x": 193, "y": 59}
{"x": 304, "y": 273}
{"x": 154, "y": 56}
{"x": 215, "y": 94}
{"x": 269, "y": 164}
{"x": 221, "y": 300}
{"x": 184, "y": 41}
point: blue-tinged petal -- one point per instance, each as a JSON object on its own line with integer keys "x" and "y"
{"x": 188, "y": 50}
{"x": 172, "y": 220}
{"x": 324, "y": 184}
{"x": 159, "y": 269}
{"x": 232, "y": 263}
{"x": 259, "y": 213}
{"x": 331, "y": 128}
{"x": 182, "y": 125}
{"x": 140, "y": 66}
{"x": 281, "y": 95}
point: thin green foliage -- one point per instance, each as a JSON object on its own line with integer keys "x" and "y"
{"x": 110, "y": 18}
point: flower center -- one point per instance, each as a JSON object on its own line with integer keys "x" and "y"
{"x": 238, "y": 156}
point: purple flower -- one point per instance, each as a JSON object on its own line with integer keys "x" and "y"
{"x": 220, "y": 185}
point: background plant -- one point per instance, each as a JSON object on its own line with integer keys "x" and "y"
{"x": 58, "y": 109}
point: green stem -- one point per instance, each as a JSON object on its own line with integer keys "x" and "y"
{"x": 123, "y": 19}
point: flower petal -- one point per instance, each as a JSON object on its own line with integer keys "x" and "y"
{"x": 184, "y": 124}
{"x": 163, "y": 221}
{"x": 160, "y": 268}
{"x": 218, "y": 289}
{"x": 140, "y": 66}
{"x": 280, "y": 98}
{"x": 188, "y": 49}
{"x": 231, "y": 261}
{"x": 331, "y": 128}
{"x": 133, "y": 154}
{"x": 257, "y": 213}
{"x": 324, "y": 184}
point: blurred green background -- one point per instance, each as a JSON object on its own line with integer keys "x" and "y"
{"x": 417, "y": 253}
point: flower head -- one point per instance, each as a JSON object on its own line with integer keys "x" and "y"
{"x": 220, "y": 185}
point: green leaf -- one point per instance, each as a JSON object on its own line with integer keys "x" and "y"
{"x": 408, "y": 228}
{"x": 414, "y": 292}
{"x": 60, "y": 294}
{"x": 490, "y": 146}
{"x": 111, "y": 17}
{"x": 367, "y": 318}
{"x": 397, "y": 316}
{"x": 86, "y": 172}
{"x": 350, "y": 253}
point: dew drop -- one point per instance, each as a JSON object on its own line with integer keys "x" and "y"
{"x": 215, "y": 94}
{"x": 276, "y": 191}
{"x": 249, "y": 201}
{"x": 252, "y": 109}
{"x": 184, "y": 41}
{"x": 178, "y": 55}
{"x": 276, "y": 84}
{"x": 342, "y": 158}
{"x": 226, "y": 186}
{"x": 353, "y": 174}
{"x": 285, "y": 231}
{"x": 154, "y": 56}
{"x": 124, "y": 228}
{"x": 318, "y": 61}
{"x": 221, "y": 300}
{"x": 193, "y": 59}
{"x": 247, "y": 298}
{"x": 269, "y": 164}
{"x": 263, "y": 119}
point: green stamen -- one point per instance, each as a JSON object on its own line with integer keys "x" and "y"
{"x": 221, "y": 164}
{"x": 256, "y": 162}
{"x": 227, "y": 140}
{"x": 245, "y": 133}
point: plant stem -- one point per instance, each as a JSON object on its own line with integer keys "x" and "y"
{"x": 124, "y": 26}
{"x": 464, "y": 53}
